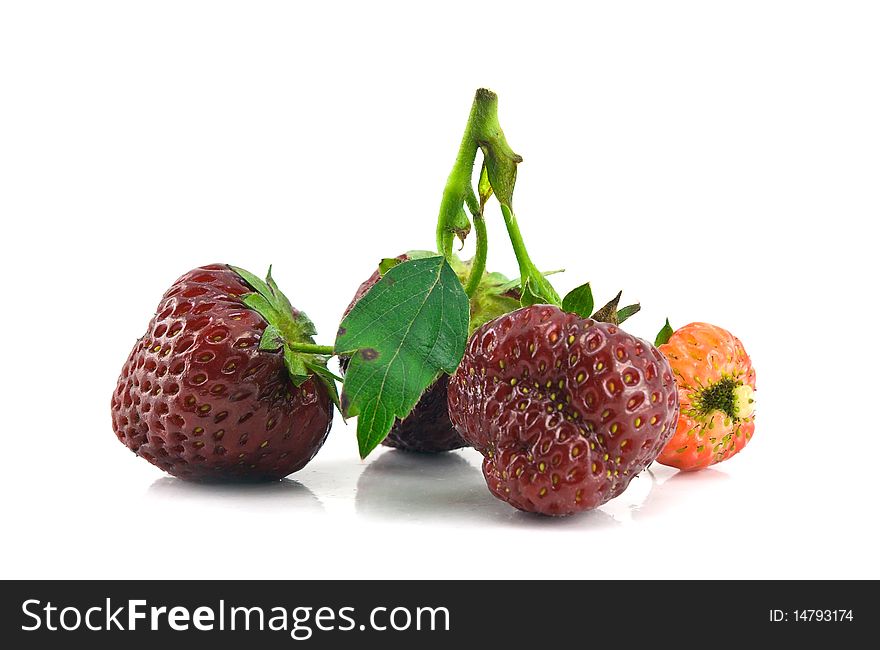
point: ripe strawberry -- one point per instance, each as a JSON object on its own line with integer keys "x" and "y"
{"x": 716, "y": 385}
{"x": 214, "y": 391}
{"x": 427, "y": 428}
{"x": 565, "y": 410}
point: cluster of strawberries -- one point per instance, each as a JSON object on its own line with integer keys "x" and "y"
{"x": 565, "y": 406}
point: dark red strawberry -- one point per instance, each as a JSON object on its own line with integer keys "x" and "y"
{"x": 427, "y": 428}
{"x": 565, "y": 410}
{"x": 219, "y": 387}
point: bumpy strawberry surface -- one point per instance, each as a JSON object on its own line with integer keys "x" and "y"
{"x": 716, "y": 385}
{"x": 198, "y": 399}
{"x": 427, "y": 428}
{"x": 565, "y": 410}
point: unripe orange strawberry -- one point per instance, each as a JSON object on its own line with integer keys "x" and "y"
{"x": 716, "y": 387}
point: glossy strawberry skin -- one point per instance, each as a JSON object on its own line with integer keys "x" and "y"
{"x": 427, "y": 429}
{"x": 702, "y": 356}
{"x": 198, "y": 399}
{"x": 565, "y": 410}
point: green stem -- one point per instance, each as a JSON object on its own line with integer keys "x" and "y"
{"x": 311, "y": 348}
{"x": 478, "y": 266}
{"x": 482, "y": 126}
{"x": 527, "y": 269}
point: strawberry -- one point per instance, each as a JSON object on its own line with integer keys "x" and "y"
{"x": 716, "y": 386}
{"x": 427, "y": 428}
{"x": 224, "y": 384}
{"x": 565, "y": 410}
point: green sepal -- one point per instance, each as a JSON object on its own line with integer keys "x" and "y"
{"x": 664, "y": 334}
{"x": 259, "y": 304}
{"x": 516, "y": 283}
{"x": 608, "y": 313}
{"x": 529, "y": 295}
{"x": 272, "y": 339}
{"x": 296, "y": 367}
{"x": 256, "y": 283}
{"x": 579, "y": 301}
{"x": 625, "y": 312}
{"x": 537, "y": 290}
{"x": 286, "y": 328}
{"x": 323, "y": 374}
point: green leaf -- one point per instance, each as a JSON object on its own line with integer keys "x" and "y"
{"x": 664, "y": 334}
{"x": 579, "y": 301}
{"x": 625, "y": 312}
{"x": 387, "y": 263}
{"x": 412, "y": 325}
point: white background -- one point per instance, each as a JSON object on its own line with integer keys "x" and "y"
{"x": 718, "y": 161}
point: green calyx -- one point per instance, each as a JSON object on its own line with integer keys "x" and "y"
{"x": 664, "y": 334}
{"x": 580, "y": 301}
{"x": 288, "y": 332}
{"x": 493, "y": 295}
{"x": 729, "y": 396}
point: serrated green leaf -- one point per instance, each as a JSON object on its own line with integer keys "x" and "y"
{"x": 579, "y": 301}
{"x": 625, "y": 312}
{"x": 664, "y": 334}
{"x": 272, "y": 338}
{"x": 412, "y": 325}
{"x": 387, "y": 263}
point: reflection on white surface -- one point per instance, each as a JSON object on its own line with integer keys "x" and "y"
{"x": 278, "y": 496}
{"x": 680, "y": 488}
{"x": 404, "y": 486}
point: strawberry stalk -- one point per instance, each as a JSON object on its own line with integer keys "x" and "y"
{"x": 478, "y": 266}
{"x": 311, "y": 348}
{"x": 535, "y": 287}
{"x": 498, "y": 177}
{"x": 452, "y": 221}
